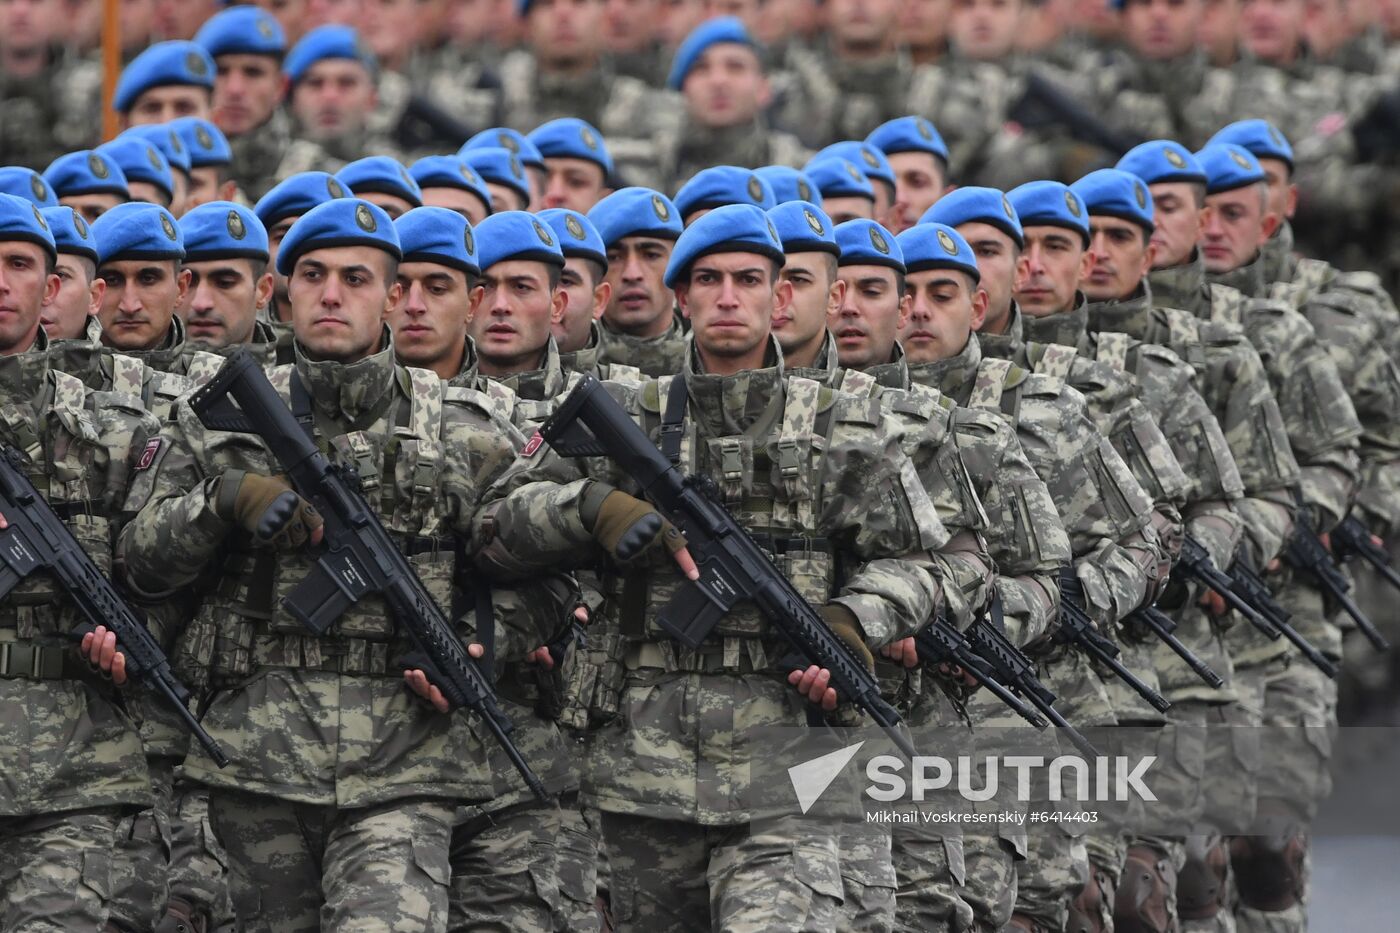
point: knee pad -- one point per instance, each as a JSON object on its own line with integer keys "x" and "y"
{"x": 1086, "y": 911}
{"x": 181, "y": 917}
{"x": 1269, "y": 863}
{"x": 1200, "y": 890}
{"x": 1145, "y": 893}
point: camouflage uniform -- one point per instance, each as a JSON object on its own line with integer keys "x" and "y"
{"x": 682, "y": 151}
{"x": 71, "y": 765}
{"x": 459, "y": 81}
{"x": 826, "y": 98}
{"x": 50, "y": 108}
{"x": 338, "y": 805}
{"x": 651, "y": 770}
{"x": 654, "y": 356}
{"x": 270, "y": 153}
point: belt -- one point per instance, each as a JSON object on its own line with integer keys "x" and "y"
{"x": 709, "y": 659}
{"x": 22, "y": 660}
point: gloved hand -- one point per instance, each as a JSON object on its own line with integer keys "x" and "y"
{"x": 846, "y": 626}
{"x": 629, "y": 528}
{"x": 268, "y": 509}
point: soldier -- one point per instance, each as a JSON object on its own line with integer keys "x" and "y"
{"x": 810, "y": 268}
{"x": 629, "y": 34}
{"x": 584, "y": 280}
{"x": 211, "y": 162}
{"x": 149, "y": 177}
{"x": 168, "y": 80}
{"x": 88, "y": 181}
{"x": 383, "y": 182}
{"x": 639, "y": 229}
{"x": 576, "y": 161}
{"x": 226, "y": 256}
{"x": 438, "y": 281}
{"x": 877, "y": 169}
{"x": 458, "y": 74}
{"x": 788, "y": 873}
{"x": 919, "y": 160}
{"x": 379, "y": 858}
{"x": 847, "y": 193}
{"x": 176, "y": 19}
{"x": 503, "y": 137}
{"x": 79, "y": 296}
{"x": 449, "y": 182}
{"x": 789, "y": 184}
{"x": 167, "y": 142}
{"x": 33, "y": 68}
{"x": 923, "y": 27}
{"x": 278, "y": 210}
{"x": 334, "y": 89}
{"x": 504, "y": 176}
{"x": 140, "y": 252}
{"x": 720, "y": 185}
{"x": 74, "y": 766}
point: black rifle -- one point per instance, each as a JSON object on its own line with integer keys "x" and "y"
{"x": 1162, "y": 625}
{"x": 1045, "y": 104}
{"x": 733, "y": 568}
{"x": 37, "y": 539}
{"x": 1251, "y": 587}
{"x": 1353, "y": 539}
{"x": 1195, "y": 563}
{"x": 1077, "y": 630}
{"x": 941, "y": 643}
{"x": 1306, "y": 553}
{"x": 358, "y": 558}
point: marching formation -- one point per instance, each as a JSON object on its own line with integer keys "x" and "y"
{"x": 441, "y": 442}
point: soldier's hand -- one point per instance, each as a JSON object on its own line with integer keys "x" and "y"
{"x": 542, "y": 657}
{"x": 1214, "y": 603}
{"x": 418, "y": 682}
{"x": 958, "y": 674}
{"x": 903, "y": 652}
{"x": 268, "y": 509}
{"x": 99, "y": 648}
{"x": 629, "y": 528}
{"x": 813, "y": 683}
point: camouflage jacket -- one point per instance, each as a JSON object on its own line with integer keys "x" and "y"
{"x": 69, "y": 743}
{"x": 325, "y": 720}
{"x": 588, "y": 360}
{"x": 686, "y": 718}
{"x": 654, "y": 356}
{"x": 618, "y": 106}
{"x": 270, "y": 153}
{"x": 822, "y": 98}
{"x": 683, "y": 150}
{"x": 57, "y": 110}
{"x": 106, "y": 370}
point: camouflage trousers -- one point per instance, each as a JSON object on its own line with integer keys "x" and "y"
{"x": 930, "y": 872}
{"x": 667, "y": 875}
{"x": 867, "y": 879}
{"x": 504, "y": 870}
{"x": 141, "y": 858}
{"x": 55, "y": 870}
{"x": 198, "y": 862}
{"x": 297, "y": 867}
{"x": 580, "y": 863}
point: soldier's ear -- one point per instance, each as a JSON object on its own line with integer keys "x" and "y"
{"x": 263, "y": 290}
{"x": 1291, "y": 205}
{"x": 835, "y": 298}
{"x": 1270, "y": 227}
{"x": 96, "y": 292}
{"x": 602, "y": 294}
{"x": 394, "y": 297}
{"x": 980, "y": 301}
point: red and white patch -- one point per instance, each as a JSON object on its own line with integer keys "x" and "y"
{"x": 148, "y": 453}
{"x": 1331, "y": 124}
{"x": 533, "y": 445}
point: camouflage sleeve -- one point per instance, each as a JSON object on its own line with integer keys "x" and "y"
{"x": 479, "y": 445}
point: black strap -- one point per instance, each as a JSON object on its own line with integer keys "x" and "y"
{"x": 673, "y": 420}
{"x": 301, "y": 407}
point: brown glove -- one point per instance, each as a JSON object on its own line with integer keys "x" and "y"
{"x": 844, "y": 623}
{"x": 267, "y": 508}
{"x": 629, "y": 528}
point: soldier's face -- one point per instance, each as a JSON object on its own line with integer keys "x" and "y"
{"x": 455, "y": 199}
{"x": 392, "y": 204}
{"x": 588, "y": 295}
{"x": 26, "y": 25}
{"x": 340, "y": 298}
{"x": 468, "y": 21}
{"x": 25, "y": 285}
{"x": 517, "y": 312}
{"x": 332, "y": 98}
{"x": 1270, "y": 29}
{"x": 139, "y": 302}
{"x": 1283, "y": 195}
{"x": 918, "y": 184}
{"x": 678, "y": 18}
{"x": 726, "y": 87}
{"x": 1162, "y": 29}
{"x": 163, "y": 104}
{"x": 321, "y": 12}
{"x": 390, "y": 27}
{"x": 138, "y": 20}
{"x": 504, "y": 199}
{"x": 924, "y": 23}
{"x": 79, "y": 296}
{"x": 730, "y": 301}
{"x": 150, "y": 193}
{"x": 997, "y": 257}
{"x": 429, "y": 320}
{"x": 91, "y": 206}
{"x": 1123, "y": 254}
{"x": 747, "y": 10}
{"x": 292, "y": 14}
{"x": 945, "y": 308}
{"x": 181, "y": 19}
{"x": 871, "y": 313}
{"x": 577, "y": 184}
{"x": 862, "y": 23}
{"x": 1177, "y": 217}
{"x": 985, "y": 29}
{"x": 247, "y": 90}
{"x": 628, "y": 24}
{"x": 1236, "y": 225}
{"x": 565, "y": 30}
{"x": 222, "y": 301}
{"x": 641, "y": 303}
{"x": 817, "y": 292}
{"x": 205, "y": 186}
{"x": 1219, "y": 27}
{"x": 841, "y": 210}
{"x": 1051, "y": 266}
{"x": 274, "y": 241}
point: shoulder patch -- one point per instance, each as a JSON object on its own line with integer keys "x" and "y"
{"x": 149, "y": 453}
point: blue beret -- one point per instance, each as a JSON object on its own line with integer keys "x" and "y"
{"x": 976, "y": 205}
{"x": 1111, "y": 192}
{"x": 164, "y": 137}
{"x": 937, "y": 246}
{"x": 1258, "y": 136}
{"x": 205, "y": 142}
{"x": 336, "y": 223}
{"x": 866, "y": 243}
{"x": 28, "y": 184}
{"x": 1162, "y": 160}
{"x": 720, "y": 185}
{"x": 908, "y": 134}
{"x": 635, "y": 212}
{"x": 519, "y": 236}
{"x": 298, "y": 194}
{"x": 437, "y": 235}
{"x": 870, "y": 159}
{"x": 503, "y": 137}
{"x": 498, "y": 166}
{"x": 242, "y": 30}
{"x": 789, "y": 184}
{"x": 323, "y": 42}
{"x": 140, "y": 161}
{"x": 20, "y": 220}
{"x": 223, "y": 230}
{"x": 1228, "y": 167}
{"x": 576, "y": 234}
{"x": 450, "y": 172}
{"x": 1050, "y": 204}
{"x": 71, "y": 233}
{"x": 86, "y": 171}
{"x": 572, "y": 138}
{"x": 839, "y": 178}
{"x": 711, "y": 32}
{"x": 803, "y": 228}
{"x": 178, "y": 61}
{"x": 381, "y": 175}
{"x": 138, "y": 230}
{"x": 732, "y": 228}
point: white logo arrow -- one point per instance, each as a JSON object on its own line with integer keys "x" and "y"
{"x": 811, "y": 778}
